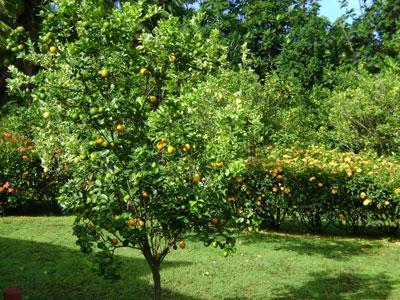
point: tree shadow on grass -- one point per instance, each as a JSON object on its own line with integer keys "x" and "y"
{"x": 340, "y": 250}
{"x": 45, "y": 271}
{"x": 324, "y": 285}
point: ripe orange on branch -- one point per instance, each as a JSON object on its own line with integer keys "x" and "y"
{"x": 120, "y": 128}
{"x": 214, "y": 221}
{"x": 99, "y": 140}
{"x": 182, "y": 244}
{"x": 196, "y": 179}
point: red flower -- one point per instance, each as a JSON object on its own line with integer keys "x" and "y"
{"x": 6, "y": 185}
{"x": 25, "y": 157}
{"x": 30, "y": 147}
{"x": 10, "y": 190}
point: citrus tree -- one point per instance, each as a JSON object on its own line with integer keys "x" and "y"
{"x": 149, "y": 121}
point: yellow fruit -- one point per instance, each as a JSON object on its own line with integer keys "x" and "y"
{"x": 153, "y": 99}
{"x": 99, "y": 140}
{"x": 387, "y": 203}
{"x": 182, "y": 244}
{"x": 145, "y": 194}
{"x": 219, "y": 164}
{"x": 321, "y": 185}
{"x": 333, "y": 191}
{"x": 143, "y": 72}
{"x": 239, "y": 179}
{"x": 367, "y": 202}
{"x": 104, "y": 73}
{"x": 46, "y": 114}
{"x": 120, "y": 128}
{"x": 231, "y": 198}
{"x": 363, "y": 195}
{"x": 131, "y": 222}
{"x": 313, "y": 178}
{"x": 170, "y": 149}
{"x": 275, "y": 189}
{"x": 172, "y": 58}
{"x": 141, "y": 223}
{"x": 196, "y": 179}
{"x": 53, "y": 50}
{"x": 186, "y": 147}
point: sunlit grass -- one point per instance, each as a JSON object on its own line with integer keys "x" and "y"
{"x": 39, "y": 255}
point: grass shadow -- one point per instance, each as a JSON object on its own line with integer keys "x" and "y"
{"x": 45, "y": 271}
{"x": 337, "y": 249}
{"x": 324, "y": 285}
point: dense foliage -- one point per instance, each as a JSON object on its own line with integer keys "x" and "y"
{"x": 155, "y": 120}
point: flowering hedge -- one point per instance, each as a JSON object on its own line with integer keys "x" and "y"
{"x": 319, "y": 187}
{"x": 21, "y": 178}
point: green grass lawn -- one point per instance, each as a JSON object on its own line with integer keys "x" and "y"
{"x": 38, "y": 254}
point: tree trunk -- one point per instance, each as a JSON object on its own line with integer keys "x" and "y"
{"x": 155, "y": 269}
{"x": 157, "y": 282}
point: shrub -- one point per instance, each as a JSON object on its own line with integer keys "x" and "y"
{"x": 21, "y": 172}
{"x": 319, "y": 187}
{"x": 365, "y": 114}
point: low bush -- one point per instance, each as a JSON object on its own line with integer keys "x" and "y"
{"x": 24, "y": 185}
{"x": 319, "y": 187}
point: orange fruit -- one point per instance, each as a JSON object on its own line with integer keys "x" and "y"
{"x": 182, "y": 244}
{"x": 145, "y": 194}
{"x": 160, "y": 145}
{"x": 120, "y": 128}
{"x": 131, "y": 222}
{"x": 214, "y": 221}
{"x": 196, "y": 179}
{"x": 99, "y": 140}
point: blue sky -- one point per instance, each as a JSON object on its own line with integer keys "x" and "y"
{"x": 331, "y": 8}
